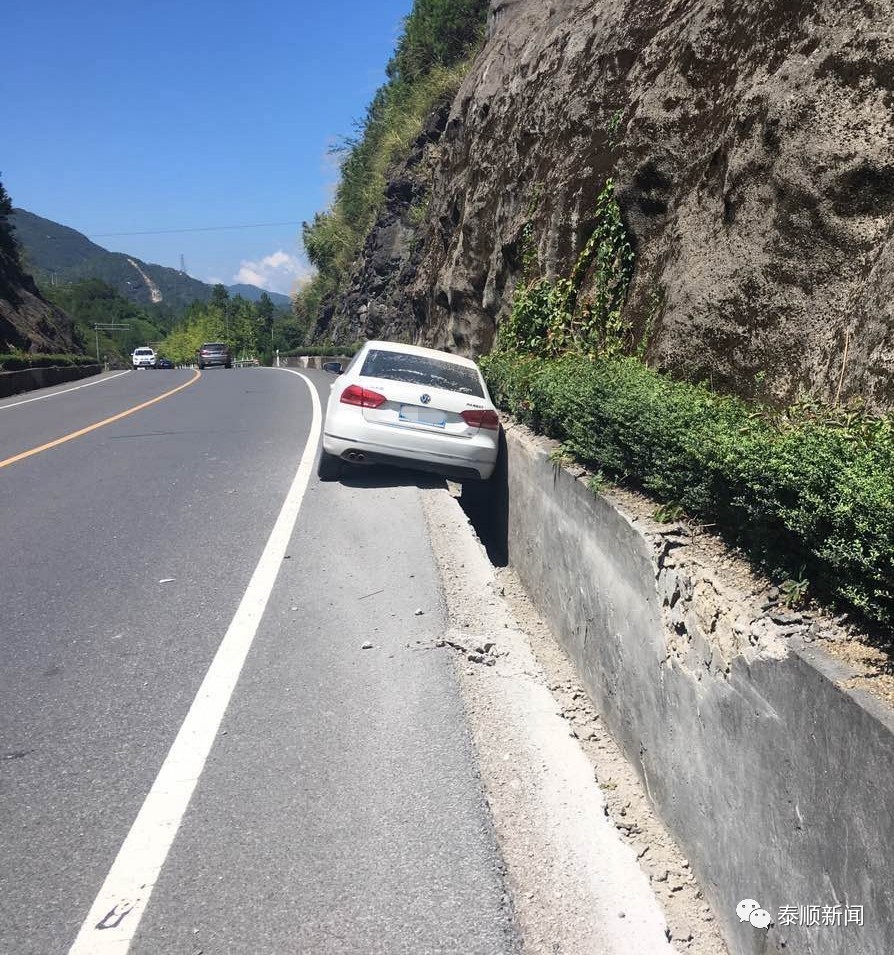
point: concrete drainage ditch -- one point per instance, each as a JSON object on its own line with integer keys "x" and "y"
{"x": 773, "y": 774}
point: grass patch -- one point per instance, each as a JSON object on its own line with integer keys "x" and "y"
{"x": 432, "y": 56}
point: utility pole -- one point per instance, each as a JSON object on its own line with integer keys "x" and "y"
{"x": 99, "y": 326}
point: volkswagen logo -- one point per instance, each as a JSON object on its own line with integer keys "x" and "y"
{"x": 425, "y": 399}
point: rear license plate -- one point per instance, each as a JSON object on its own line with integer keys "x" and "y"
{"x": 417, "y": 415}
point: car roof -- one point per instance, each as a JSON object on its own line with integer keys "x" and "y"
{"x": 419, "y": 350}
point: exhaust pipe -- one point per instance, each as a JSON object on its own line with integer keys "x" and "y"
{"x": 356, "y": 456}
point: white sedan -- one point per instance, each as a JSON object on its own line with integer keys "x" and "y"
{"x": 413, "y": 407}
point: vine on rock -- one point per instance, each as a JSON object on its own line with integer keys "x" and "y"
{"x": 583, "y": 312}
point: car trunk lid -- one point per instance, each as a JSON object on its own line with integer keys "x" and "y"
{"x": 422, "y": 408}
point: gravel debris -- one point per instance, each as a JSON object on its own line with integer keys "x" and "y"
{"x": 566, "y": 882}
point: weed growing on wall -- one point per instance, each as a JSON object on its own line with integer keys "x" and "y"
{"x": 584, "y": 311}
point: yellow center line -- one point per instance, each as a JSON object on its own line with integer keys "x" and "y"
{"x": 99, "y": 424}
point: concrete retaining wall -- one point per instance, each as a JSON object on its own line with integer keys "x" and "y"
{"x": 15, "y": 382}
{"x": 778, "y": 784}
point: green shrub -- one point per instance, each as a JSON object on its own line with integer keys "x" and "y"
{"x": 808, "y": 492}
{"x": 437, "y": 33}
{"x": 22, "y": 362}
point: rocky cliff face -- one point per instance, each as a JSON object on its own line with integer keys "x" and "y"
{"x": 28, "y": 322}
{"x": 752, "y": 148}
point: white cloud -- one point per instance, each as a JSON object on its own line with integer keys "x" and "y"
{"x": 278, "y": 272}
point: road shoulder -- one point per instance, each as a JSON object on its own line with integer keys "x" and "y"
{"x": 591, "y": 869}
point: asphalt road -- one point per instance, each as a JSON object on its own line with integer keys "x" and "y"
{"x": 339, "y": 809}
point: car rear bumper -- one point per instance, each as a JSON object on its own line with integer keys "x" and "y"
{"x": 458, "y": 458}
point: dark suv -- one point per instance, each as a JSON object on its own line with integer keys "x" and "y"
{"x": 215, "y": 353}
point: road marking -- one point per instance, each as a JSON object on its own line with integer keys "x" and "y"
{"x": 56, "y": 394}
{"x": 115, "y": 915}
{"x": 99, "y": 424}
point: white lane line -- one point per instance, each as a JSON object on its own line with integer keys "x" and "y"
{"x": 56, "y": 394}
{"x": 115, "y": 915}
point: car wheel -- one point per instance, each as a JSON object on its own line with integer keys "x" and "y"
{"x": 329, "y": 467}
{"x": 201, "y": 367}
{"x": 228, "y": 366}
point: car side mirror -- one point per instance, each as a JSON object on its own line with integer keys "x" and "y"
{"x": 333, "y": 367}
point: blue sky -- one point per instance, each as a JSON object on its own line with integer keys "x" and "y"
{"x": 136, "y": 117}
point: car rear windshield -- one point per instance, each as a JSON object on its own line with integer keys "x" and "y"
{"x": 214, "y": 347}
{"x": 422, "y": 370}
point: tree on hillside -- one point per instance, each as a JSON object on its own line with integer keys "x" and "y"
{"x": 290, "y": 332}
{"x": 9, "y": 248}
{"x": 264, "y": 311}
{"x": 246, "y": 326}
{"x": 220, "y": 297}
{"x": 437, "y": 33}
{"x": 92, "y": 301}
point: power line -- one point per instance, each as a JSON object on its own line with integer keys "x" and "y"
{"x": 210, "y": 228}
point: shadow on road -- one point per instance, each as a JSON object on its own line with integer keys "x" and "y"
{"x": 380, "y": 475}
{"x": 486, "y": 503}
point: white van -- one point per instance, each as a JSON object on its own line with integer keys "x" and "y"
{"x": 143, "y": 358}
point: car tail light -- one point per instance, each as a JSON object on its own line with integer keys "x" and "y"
{"x": 362, "y": 397}
{"x": 481, "y": 419}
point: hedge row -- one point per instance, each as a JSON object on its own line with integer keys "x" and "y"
{"x": 23, "y": 362}
{"x": 809, "y": 493}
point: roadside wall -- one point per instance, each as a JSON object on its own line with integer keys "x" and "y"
{"x": 15, "y": 382}
{"x": 778, "y": 784}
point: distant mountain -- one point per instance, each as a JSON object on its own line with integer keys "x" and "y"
{"x": 56, "y": 254}
{"x": 253, "y": 294}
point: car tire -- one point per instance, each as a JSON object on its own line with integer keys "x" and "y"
{"x": 228, "y": 366}
{"x": 201, "y": 367}
{"x": 329, "y": 467}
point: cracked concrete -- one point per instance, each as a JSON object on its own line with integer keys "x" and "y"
{"x": 773, "y": 773}
{"x": 590, "y": 867}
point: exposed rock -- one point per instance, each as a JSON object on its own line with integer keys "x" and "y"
{"x": 28, "y": 322}
{"x": 376, "y": 303}
{"x": 752, "y": 149}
